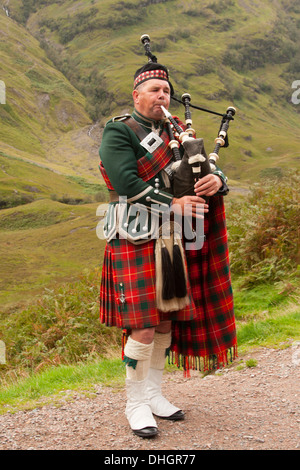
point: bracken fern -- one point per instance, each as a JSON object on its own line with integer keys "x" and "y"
{"x": 264, "y": 231}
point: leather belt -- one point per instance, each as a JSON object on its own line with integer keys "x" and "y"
{"x": 113, "y": 196}
{"x": 136, "y": 127}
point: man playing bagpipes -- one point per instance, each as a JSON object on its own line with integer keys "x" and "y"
{"x": 169, "y": 300}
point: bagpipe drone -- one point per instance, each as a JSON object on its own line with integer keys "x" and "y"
{"x": 194, "y": 164}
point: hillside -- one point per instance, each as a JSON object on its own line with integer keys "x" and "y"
{"x": 48, "y": 151}
{"x": 239, "y": 52}
{"x": 68, "y": 67}
{"x": 44, "y": 118}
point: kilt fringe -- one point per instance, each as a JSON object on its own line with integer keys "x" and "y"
{"x": 187, "y": 363}
{"x": 204, "y": 363}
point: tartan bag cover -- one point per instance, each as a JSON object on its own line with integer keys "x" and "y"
{"x": 204, "y": 333}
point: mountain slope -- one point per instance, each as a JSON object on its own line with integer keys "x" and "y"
{"x": 235, "y": 52}
{"x": 44, "y": 119}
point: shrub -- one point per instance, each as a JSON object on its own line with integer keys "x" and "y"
{"x": 251, "y": 54}
{"x": 15, "y": 199}
{"x": 264, "y": 230}
{"x": 72, "y": 201}
{"x": 63, "y": 327}
{"x": 221, "y": 5}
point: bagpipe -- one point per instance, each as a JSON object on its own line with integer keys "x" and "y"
{"x": 195, "y": 163}
{"x": 171, "y": 270}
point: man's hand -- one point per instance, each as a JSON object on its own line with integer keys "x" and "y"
{"x": 189, "y": 206}
{"x": 208, "y": 185}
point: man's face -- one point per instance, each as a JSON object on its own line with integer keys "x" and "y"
{"x": 149, "y": 97}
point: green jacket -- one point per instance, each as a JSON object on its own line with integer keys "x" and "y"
{"x": 119, "y": 151}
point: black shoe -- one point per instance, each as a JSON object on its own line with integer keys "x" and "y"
{"x": 179, "y": 415}
{"x": 146, "y": 432}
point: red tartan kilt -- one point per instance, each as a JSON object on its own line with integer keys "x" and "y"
{"x": 130, "y": 270}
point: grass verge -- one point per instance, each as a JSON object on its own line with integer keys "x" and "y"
{"x": 58, "y": 383}
{"x": 267, "y": 315}
{"x": 278, "y": 331}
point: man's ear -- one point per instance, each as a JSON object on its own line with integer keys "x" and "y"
{"x": 135, "y": 95}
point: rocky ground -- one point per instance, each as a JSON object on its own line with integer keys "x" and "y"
{"x": 237, "y": 409}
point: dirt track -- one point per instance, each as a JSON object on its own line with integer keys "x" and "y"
{"x": 253, "y": 408}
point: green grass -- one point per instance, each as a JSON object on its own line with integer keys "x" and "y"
{"x": 263, "y": 299}
{"x": 60, "y": 327}
{"x": 56, "y": 383}
{"x": 271, "y": 332}
{"x": 41, "y": 213}
{"x": 45, "y": 243}
{"x": 266, "y": 314}
{"x": 20, "y": 179}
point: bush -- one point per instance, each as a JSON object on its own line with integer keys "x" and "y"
{"x": 221, "y": 5}
{"x": 251, "y": 54}
{"x": 15, "y": 199}
{"x": 264, "y": 231}
{"x": 72, "y": 201}
{"x": 63, "y": 327}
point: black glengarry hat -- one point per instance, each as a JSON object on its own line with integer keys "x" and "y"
{"x": 150, "y": 71}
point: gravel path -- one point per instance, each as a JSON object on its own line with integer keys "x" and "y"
{"x": 254, "y": 408}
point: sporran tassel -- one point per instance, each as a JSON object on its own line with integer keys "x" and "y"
{"x": 179, "y": 272}
{"x": 168, "y": 287}
{"x": 171, "y": 277}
